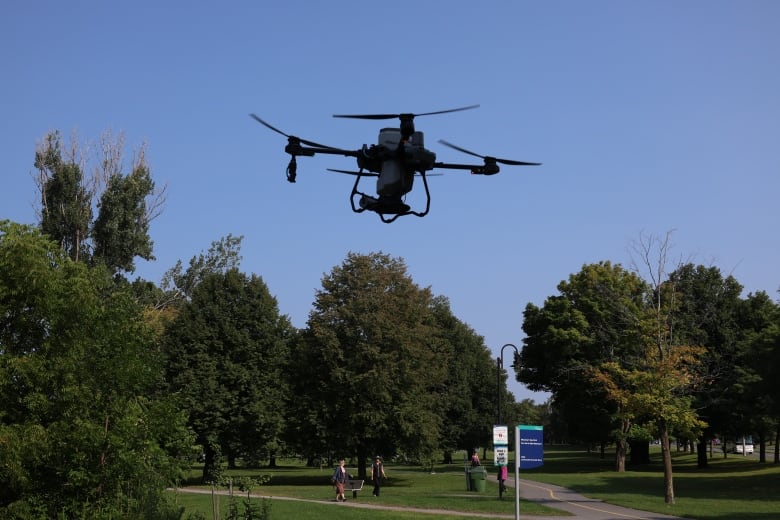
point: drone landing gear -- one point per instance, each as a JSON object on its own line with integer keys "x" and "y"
{"x": 384, "y": 205}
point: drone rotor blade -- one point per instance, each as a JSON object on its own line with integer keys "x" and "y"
{"x": 267, "y": 125}
{"x": 368, "y": 116}
{"x": 304, "y": 141}
{"x": 371, "y": 174}
{"x": 517, "y": 163}
{"x": 408, "y": 116}
{"x": 486, "y": 157}
{"x": 470, "y": 107}
{"x": 349, "y": 172}
{"x": 458, "y": 148}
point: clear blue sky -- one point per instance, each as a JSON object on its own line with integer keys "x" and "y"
{"x": 648, "y": 116}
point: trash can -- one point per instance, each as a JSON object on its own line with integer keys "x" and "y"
{"x": 478, "y": 477}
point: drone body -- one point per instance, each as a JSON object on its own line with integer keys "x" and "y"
{"x": 395, "y": 160}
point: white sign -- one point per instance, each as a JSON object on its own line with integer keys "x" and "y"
{"x": 501, "y": 455}
{"x": 500, "y": 435}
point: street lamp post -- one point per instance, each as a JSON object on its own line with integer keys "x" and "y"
{"x": 499, "y": 367}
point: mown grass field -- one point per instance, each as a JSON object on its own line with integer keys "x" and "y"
{"x": 735, "y": 488}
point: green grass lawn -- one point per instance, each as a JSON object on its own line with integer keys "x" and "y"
{"x": 406, "y": 486}
{"x": 737, "y": 488}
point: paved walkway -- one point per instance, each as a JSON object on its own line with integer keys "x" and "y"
{"x": 580, "y": 507}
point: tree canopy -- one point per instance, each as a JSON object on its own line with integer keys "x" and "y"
{"x": 227, "y": 353}
{"x": 384, "y": 367}
{"x": 125, "y": 203}
{"x": 84, "y": 428}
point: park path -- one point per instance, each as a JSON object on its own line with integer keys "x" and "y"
{"x": 580, "y": 507}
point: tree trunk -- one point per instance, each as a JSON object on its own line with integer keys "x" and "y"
{"x": 777, "y": 445}
{"x": 620, "y": 456}
{"x": 640, "y": 452}
{"x": 362, "y": 456}
{"x": 701, "y": 453}
{"x": 667, "y": 456}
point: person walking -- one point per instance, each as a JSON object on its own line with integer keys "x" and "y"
{"x": 502, "y": 474}
{"x": 377, "y": 474}
{"x": 339, "y": 479}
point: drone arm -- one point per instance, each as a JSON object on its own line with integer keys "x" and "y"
{"x": 310, "y": 151}
{"x": 295, "y": 149}
{"x": 483, "y": 169}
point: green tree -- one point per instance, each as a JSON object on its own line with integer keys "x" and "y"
{"x": 759, "y": 386}
{"x": 372, "y": 361}
{"x": 125, "y": 203}
{"x": 178, "y": 284}
{"x": 672, "y": 365}
{"x": 596, "y": 319}
{"x": 704, "y": 310}
{"x": 85, "y": 430}
{"x": 227, "y": 350}
{"x": 468, "y": 405}
{"x": 121, "y": 230}
{"x": 66, "y": 210}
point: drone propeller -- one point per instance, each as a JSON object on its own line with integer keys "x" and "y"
{"x": 488, "y": 159}
{"x": 407, "y": 120}
{"x": 371, "y": 174}
{"x": 291, "y": 137}
{"x": 403, "y": 116}
{"x": 349, "y": 172}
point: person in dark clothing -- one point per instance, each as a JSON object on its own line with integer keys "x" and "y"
{"x": 377, "y": 474}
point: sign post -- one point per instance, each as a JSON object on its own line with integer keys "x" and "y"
{"x": 532, "y": 446}
{"x": 529, "y": 453}
{"x": 500, "y": 453}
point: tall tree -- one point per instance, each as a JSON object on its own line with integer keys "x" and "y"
{"x": 84, "y": 428}
{"x": 702, "y": 307}
{"x": 371, "y": 358}
{"x": 672, "y": 367}
{"x": 66, "y": 200}
{"x": 759, "y": 387}
{"x": 121, "y": 230}
{"x": 595, "y": 319}
{"x": 468, "y": 407}
{"x": 71, "y": 194}
{"x": 226, "y": 353}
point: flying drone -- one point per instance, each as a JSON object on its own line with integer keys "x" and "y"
{"x": 397, "y": 158}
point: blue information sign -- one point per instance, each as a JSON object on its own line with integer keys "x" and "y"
{"x": 531, "y": 446}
